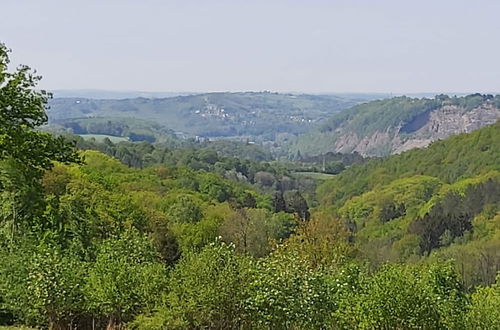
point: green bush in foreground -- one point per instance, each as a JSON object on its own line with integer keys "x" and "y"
{"x": 484, "y": 312}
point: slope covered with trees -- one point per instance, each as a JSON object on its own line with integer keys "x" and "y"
{"x": 440, "y": 201}
{"x": 236, "y": 161}
{"x": 132, "y": 129}
{"x": 88, "y": 242}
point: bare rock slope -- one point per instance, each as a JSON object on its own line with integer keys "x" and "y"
{"x": 381, "y": 128}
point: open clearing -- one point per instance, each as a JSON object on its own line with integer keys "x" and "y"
{"x": 100, "y": 137}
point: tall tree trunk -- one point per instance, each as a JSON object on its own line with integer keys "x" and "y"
{"x": 55, "y": 323}
{"x": 114, "y": 323}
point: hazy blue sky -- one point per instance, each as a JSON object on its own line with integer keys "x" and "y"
{"x": 398, "y": 46}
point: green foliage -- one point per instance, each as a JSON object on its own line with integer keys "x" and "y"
{"x": 477, "y": 258}
{"x": 281, "y": 225}
{"x": 229, "y": 148}
{"x": 125, "y": 278}
{"x": 322, "y": 242}
{"x": 451, "y": 213}
{"x": 442, "y": 200}
{"x": 24, "y": 152}
{"x": 54, "y": 284}
{"x": 133, "y": 129}
{"x": 404, "y": 195}
{"x": 407, "y": 297}
{"x": 87, "y": 213}
{"x": 484, "y": 312}
{"x": 457, "y": 157}
{"x": 295, "y": 203}
{"x": 206, "y": 290}
{"x": 286, "y": 293}
{"x": 214, "y": 187}
{"x": 367, "y": 118}
{"x": 211, "y": 157}
{"x": 42, "y": 284}
{"x": 200, "y": 240}
{"x": 184, "y": 208}
{"x": 254, "y": 231}
{"x": 22, "y": 108}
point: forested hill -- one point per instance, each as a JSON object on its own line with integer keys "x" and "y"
{"x": 458, "y": 157}
{"x": 443, "y": 200}
{"x": 384, "y": 127}
{"x": 191, "y": 238}
{"x": 257, "y": 115}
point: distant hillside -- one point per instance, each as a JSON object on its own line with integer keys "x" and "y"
{"x": 390, "y": 126}
{"x": 105, "y": 94}
{"x": 264, "y": 115}
{"x": 133, "y": 129}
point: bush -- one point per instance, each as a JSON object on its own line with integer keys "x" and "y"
{"x": 206, "y": 290}
{"x": 484, "y": 312}
{"x": 125, "y": 279}
{"x": 408, "y": 297}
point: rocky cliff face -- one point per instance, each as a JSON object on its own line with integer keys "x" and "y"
{"x": 418, "y": 133}
{"x": 391, "y": 126}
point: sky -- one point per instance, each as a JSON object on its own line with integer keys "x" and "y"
{"x": 312, "y": 46}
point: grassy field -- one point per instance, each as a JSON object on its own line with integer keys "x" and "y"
{"x": 14, "y": 327}
{"x": 315, "y": 175}
{"x": 100, "y": 137}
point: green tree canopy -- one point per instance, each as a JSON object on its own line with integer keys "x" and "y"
{"x": 25, "y": 153}
{"x": 22, "y": 109}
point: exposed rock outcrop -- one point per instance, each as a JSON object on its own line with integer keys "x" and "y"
{"x": 444, "y": 122}
{"x": 392, "y": 126}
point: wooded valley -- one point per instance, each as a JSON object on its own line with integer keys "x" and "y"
{"x": 183, "y": 234}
